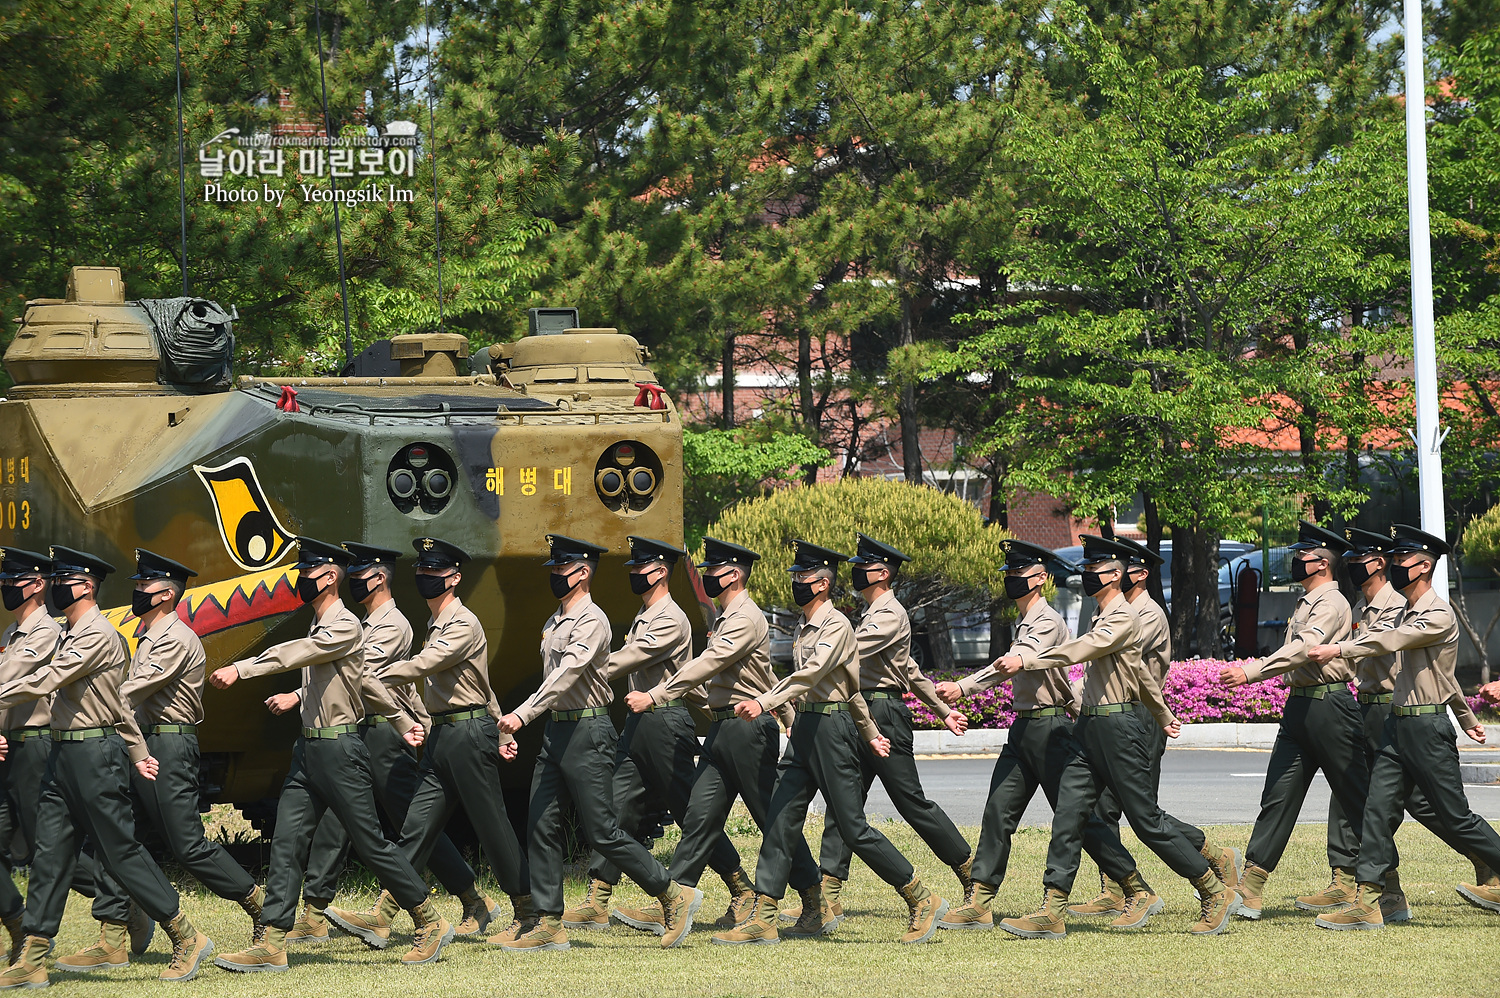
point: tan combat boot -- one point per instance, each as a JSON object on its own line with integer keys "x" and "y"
{"x": 109, "y": 953}
{"x": 17, "y": 936}
{"x": 312, "y": 927}
{"x": 815, "y": 916}
{"x": 741, "y": 900}
{"x": 1044, "y": 923}
{"x": 925, "y": 907}
{"x": 965, "y": 874}
{"x": 1217, "y": 902}
{"x": 267, "y": 952}
{"x": 432, "y": 933}
{"x": 373, "y": 927}
{"x": 1339, "y": 892}
{"x": 1111, "y": 900}
{"x": 29, "y": 970}
{"x": 678, "y": 906}
{"x": 1483, "y": 875}
{"x": 523, "y": 920}
{"x": 974, "y": 913}
{"x": 189, "y": 949}
{"x": 478, "y": 912}
{"x": 1364, "y": 913}
{"x": 648, "y": 919}
{"x": 759, "y": 929}
{"x": 1252, "y": 891}
{"x": 1141, "y": 903}
{"x": 254, "y": 904}
{"x": 547, "y": 933}
{"x": 140, "y": 928}
{"x": 1228, "y": 865}
{"x": 831, "y": 887}
{"x": 1480, "y": 895}
{"x": 1393, "y": 904}
{"x": 593, "y": 911}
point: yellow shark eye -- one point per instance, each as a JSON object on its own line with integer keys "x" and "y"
{"x": 249, "y": 529}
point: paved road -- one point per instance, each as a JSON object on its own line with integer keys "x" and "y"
{"x": 1200, "y": 786}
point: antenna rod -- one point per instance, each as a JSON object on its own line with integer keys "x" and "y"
{"x": 437, "y": 224}
{"x": 338, "y": 232}
{"x": 181, "y": 174}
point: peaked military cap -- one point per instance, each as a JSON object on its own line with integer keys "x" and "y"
{"x": 1310, "y": 535}
{"x": 435, "y": 553}
{"x": 810, "y": 556}
{"x": 873, "y": 552}
{"x": 15, "y": 563}
{"x": 717, "y": 553}
{"x": 566, "y": 550}
{"x": 1024, "y": 554}
{"x": 68, "y": 561}
{"x": 1363, "y": 542}
{"x": 1140, "y": 554}
{"x": 367, "y": 556}
{"x": 1405, "y": 539}
{"x": 312, "y": 552}
{"x": 645, "y": 551}
{"x": 1104, "y": 549}
{"x": 149, "y": 565}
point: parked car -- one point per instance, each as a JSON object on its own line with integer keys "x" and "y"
{"x": 1229, "y": 552}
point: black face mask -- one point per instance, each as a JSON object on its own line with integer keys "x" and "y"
{"x": 862, "y": 580}
{"x": 361, "y": 589}
{"x": 60, "y": 596}
{"x": 12, "y": 596}
{"x": 713, "y": 585}
{"x": 1300, "y": 569}
{"x": 307, "y": 589}
{"x": 432, "y": 586}
{"x": 563, "y": 584}
{"x": 1017, "y": 586}
{"x": 640, "y": 583}
{"x": 1360, "y": 572}
{"x": 142, "y": 603}
{"x": 802, "y": 593}
{"x": 1092, "y": 583}
{"x": 1402, "y": 576}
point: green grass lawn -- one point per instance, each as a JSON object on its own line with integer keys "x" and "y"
{"x": 1448, "y": 950}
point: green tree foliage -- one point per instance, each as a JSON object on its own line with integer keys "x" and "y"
{"x": 724, "y": 467}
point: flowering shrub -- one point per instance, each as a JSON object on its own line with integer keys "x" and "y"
{"x": 1485, "y": 710}
{"x": 1192, "y": 690}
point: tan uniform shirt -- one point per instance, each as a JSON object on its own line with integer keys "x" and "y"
{"x": 658, "y": 644}
{"x": 85, "y": 676}
{"x": 825, "y": 668}
{"x": 335, "y": 686}
{"x": 29, "y": 645}
{"x": 1377, "y": 673}
{"x": 1427, "y": 639}
{"x": 1156, "y": 638}
{"x": 454, "y": 666}
{"x": 1042, "y": 628}
{"x": 1115, "y": 672}
{"x": 575, "y": 654}
{"x": 1321, "y": 618}
{"x": 736, "y": 664}
{"x": 167, "y": 675}
{"x": 387, "y": 639}
{"x": 885, "y": 662}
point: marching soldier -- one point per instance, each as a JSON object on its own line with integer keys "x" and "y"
{"x": 578, "y": 756}
{"x": 1120, "y": 699}
{"x": 86, "y": 789}
{"x": 738, "y": 759}
{"x": 657, "y": 751}
{"x": 824, "y": 754}
{"x": 330, "y": 766}
{"x": 1321, "y": 728}
{"x": 28, "y": 645}
{"x": 461, "y": 760}
{"x": 1039, "y": 752}
{"x": 165, "y": 689}
{"x": 887, "y": 672}
{"x": 387, "y": 638}
{"x": 1156, "y": 656}
{"x": 1417, "y": 748}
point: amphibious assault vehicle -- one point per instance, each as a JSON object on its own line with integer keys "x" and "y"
{"x": 125, "y": 428}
